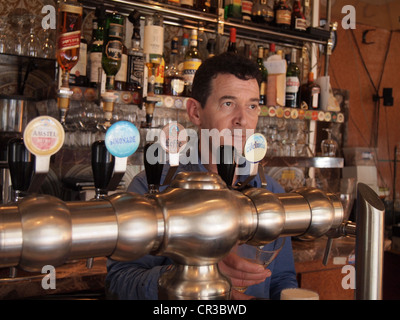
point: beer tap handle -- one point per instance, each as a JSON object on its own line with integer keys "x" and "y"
{"x": 153, "y": 166}
{"x": 102, "y": 167}
{"x": 226, "y": 165}
{"x": 21, "y": 164}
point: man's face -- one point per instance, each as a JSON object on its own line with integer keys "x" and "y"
{"x": 234, "y": 105}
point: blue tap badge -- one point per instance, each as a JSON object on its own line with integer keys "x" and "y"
{"x": 122, "y": 139}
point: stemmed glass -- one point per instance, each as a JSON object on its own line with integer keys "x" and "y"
{"x": 48, "y": 50}
{"x": 263, "y": 255}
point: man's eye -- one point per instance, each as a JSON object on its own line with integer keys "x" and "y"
{"x": 227, "y": 104}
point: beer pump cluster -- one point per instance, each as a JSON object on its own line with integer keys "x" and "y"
{"x": 195, "y": 221}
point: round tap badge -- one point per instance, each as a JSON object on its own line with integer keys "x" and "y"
{"x": 173, "y": 137}
{"x": 255, "y": 148}
{"x": 44, "y": 136}
{"x": 122, "y": 139}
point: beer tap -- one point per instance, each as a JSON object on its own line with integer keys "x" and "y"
{"x": 21, "y": 164}
{"x": 227, "y": 164}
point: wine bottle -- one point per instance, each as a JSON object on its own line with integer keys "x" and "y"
{"x": 283, "y": 15}
{"x": 192, "y": 63}
{"x": 112, "y": 51}
{"x": 232, "y": 41}
{"x": 292, "y": 82}
{"x": 68, "y": 37}
{"x": 298, "y": 19}
{"x": 173, "y": 80}
{"x": 264, "y": 73}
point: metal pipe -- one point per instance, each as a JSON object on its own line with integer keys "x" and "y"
{"x": 369, "y": 244}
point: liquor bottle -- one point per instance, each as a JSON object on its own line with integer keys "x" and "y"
{"x": 192, "y": 63}
{"x": 153, "y": 46}
{"x": 298, "y": 19}
{"x": 173, "y": 80}
{"x": 232, "y": 41}
{"x": 262, "y": 13}
{"x": 283, "y": 15}
{"x": 96, "y": 50}
{"x": 121, "y": 76}
{"x": 307, "y": 12}
{"x": 310, "y": 94}
{"x": 292, "y": 82}
{"x": 184, "y": 47}
{"x": 247, "y": 7}
{"x": 112, "y": 51}
{"x": 68, "y": 37}
{"x": 264, "y": 73}
{"x": 78, "y": 72}
{"x": 135, "y": 63}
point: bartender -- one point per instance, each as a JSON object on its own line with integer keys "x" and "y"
{"x": 225, "y": 97}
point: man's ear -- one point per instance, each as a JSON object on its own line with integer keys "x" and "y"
{"x": 193, "y": 108}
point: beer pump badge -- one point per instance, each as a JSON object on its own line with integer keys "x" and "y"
{"x": 44, "y": 136}
{"x": 122, "y": 139}
{"x": 173, "y": 138}
{"x": 255, "y": 148}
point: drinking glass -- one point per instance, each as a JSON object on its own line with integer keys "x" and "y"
{"x": 17, "y": 22}
{"x": 32, "y": 46}
{"x": 4, "y": 35}
{"x": 263, "y": 255}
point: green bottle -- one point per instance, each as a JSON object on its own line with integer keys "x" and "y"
{"x": 112, "y": 48}
{"x": 292, "y": 82}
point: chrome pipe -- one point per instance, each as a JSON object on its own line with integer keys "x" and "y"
{"x": 369, "y": 244}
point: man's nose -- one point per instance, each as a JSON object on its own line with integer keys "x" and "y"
{"x": 240, "y": 116}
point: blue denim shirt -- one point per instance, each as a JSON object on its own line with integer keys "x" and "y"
{"x": 139, "y": 279}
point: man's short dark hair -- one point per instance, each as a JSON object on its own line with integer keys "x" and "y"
{"x": 224, "y": 63}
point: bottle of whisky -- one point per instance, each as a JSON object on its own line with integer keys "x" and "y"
{"x": 68, "y": 37}
{"x": 112, "y": 51}
{"x": 120, "y": 77}
{"x": 264, "y": 73}
{"x": 77, "y": 75}
{"x": 192, "y": 63}
{"x": 292, "y": 82}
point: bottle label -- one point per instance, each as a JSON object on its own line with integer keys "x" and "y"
{"x": 189, "y": 69}
{"x": 283, "y": 17}
{"x": 188, "y": 3}
{"x": 116, "y": 30}
{"x": 292, "y": 84}
{"x": 177, "y": 86}
{"x": 153, "y": 41}
{"x": 69, "y": 40}
{"x": 80, "y": 68}
{"x": 113, "y": 50}
{"x": 122, "y": 139}
{"x": 300, "y": 24}
{"x": 123, "y": 70}
{"x": 136, "y": 69}
{"x": 95, "y": 66}
{"x": 247, "y": 6}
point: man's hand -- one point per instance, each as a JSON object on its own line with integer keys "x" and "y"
{"x": 242, "y": 273}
